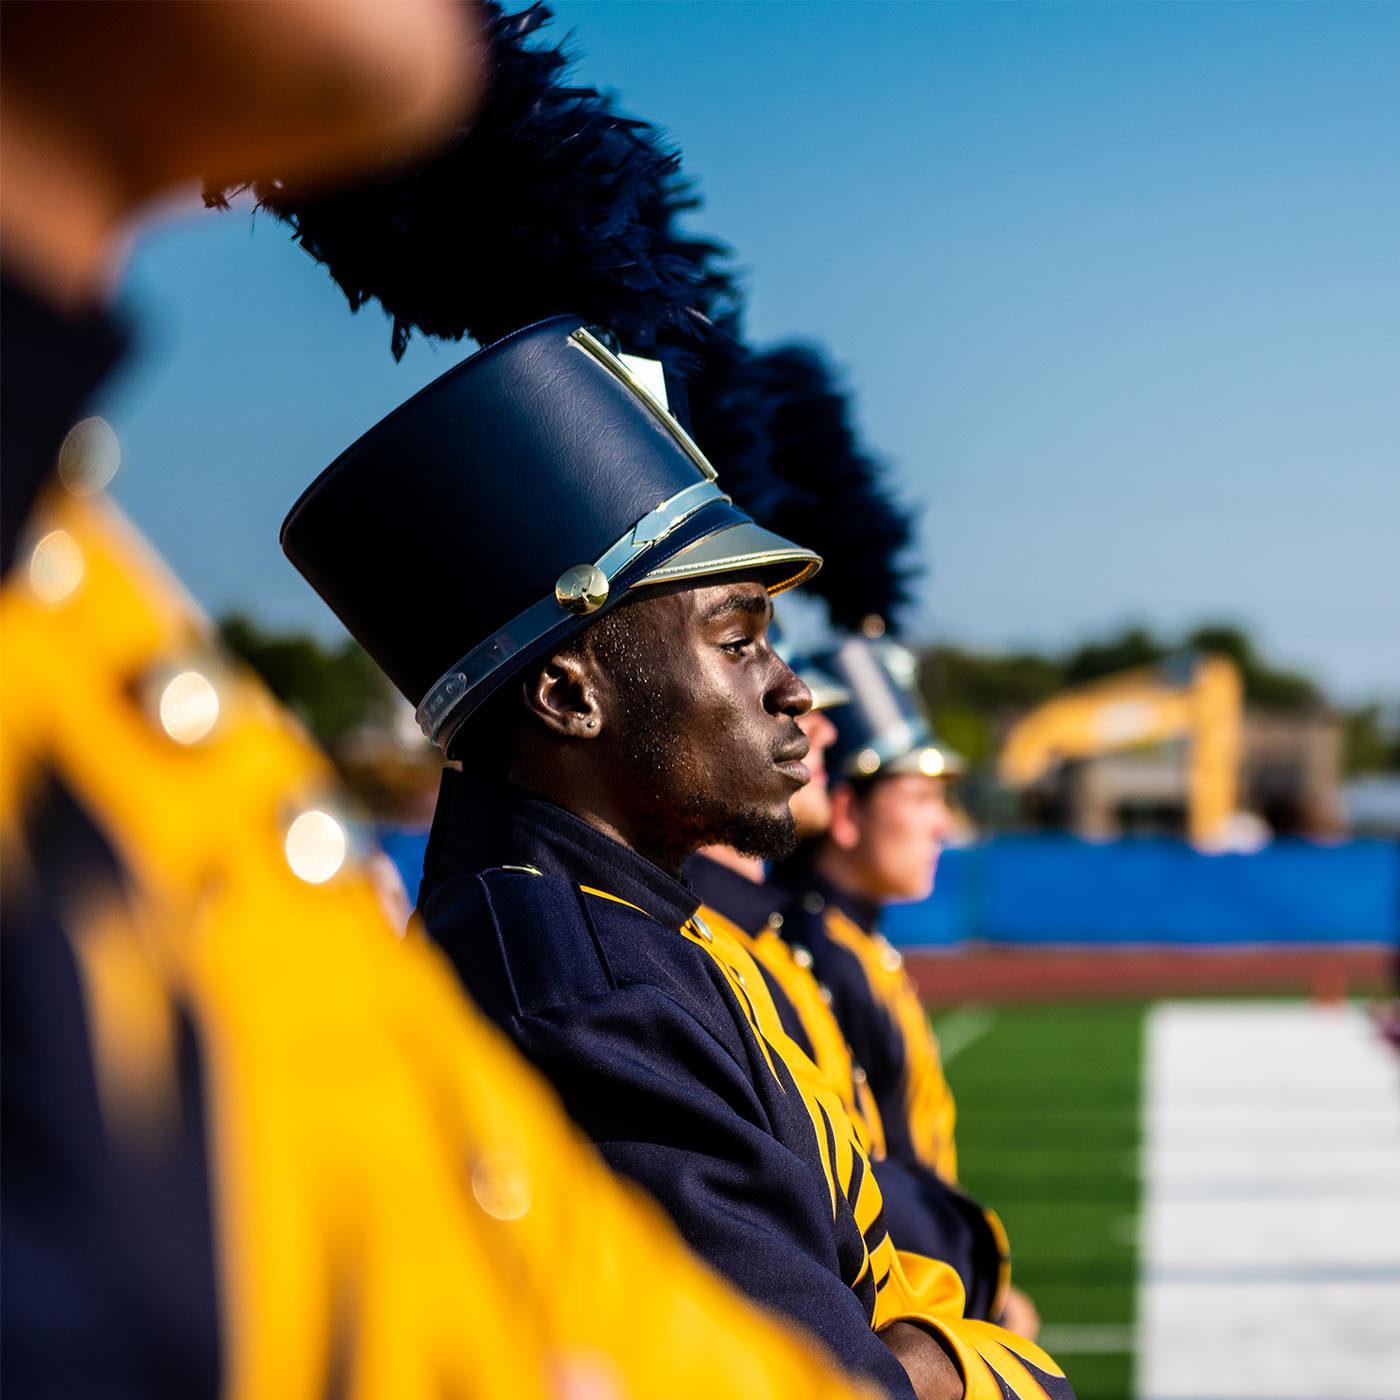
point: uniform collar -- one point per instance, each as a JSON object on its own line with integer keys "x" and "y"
{"x": 815, "y": 893}
{"x": 863, "y": 912}
{"x": 479, "y": 826}
{"x": 739, "y": 899}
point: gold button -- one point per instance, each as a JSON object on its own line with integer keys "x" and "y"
{"x": 801, "y": 956}
{"x": 316, "y": 846}
{"x": 858, "y": 1074}
{"x": 891, "y": 957}
{"x": 89, "y": 457}
{"x": 56, "y": 567}
{"x": 501, "y": 1185}
{"x": 826, "y": 993}
{"x": 188, "y": 707}
{"x": 813, "y": 903}
{"x": 581, "y": 589}
{"x": 867, "y": 761}
{"x": 775, "y": 921}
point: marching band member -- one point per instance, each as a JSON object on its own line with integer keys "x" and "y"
{"x": 579, "y": 613}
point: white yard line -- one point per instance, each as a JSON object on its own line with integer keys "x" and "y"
{"x": 1270, "y": 1248}
{"x": 959, "y": 1030}
{"x": 1086, "y": 1339}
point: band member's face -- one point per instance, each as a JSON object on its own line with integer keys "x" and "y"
{"x": 701, "y": 719}
{"x": 811, "y": 805}
{"x": 892, "y": 834}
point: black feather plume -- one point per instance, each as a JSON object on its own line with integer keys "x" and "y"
{"x": 551, "y": 201}
{"x": 836, "y": 500}
{"x": 728, "y": 403}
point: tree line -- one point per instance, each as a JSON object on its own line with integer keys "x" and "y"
{"x": 336, "y": 689}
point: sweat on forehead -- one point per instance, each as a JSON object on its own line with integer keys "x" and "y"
{"x": 749, "y": 598}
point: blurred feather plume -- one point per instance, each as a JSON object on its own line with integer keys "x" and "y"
{"x": 550, "y": 202}
{"x": 836, "y": 500}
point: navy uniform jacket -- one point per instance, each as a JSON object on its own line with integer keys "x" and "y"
{"x": 586, "y": 954}
{"x": 97, "y": 1247}
{"x": 880, "y": 1012}
{"x": 924, "y": 1212}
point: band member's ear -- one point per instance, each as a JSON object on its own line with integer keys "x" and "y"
{"x": 564, "y": 696}
{"x": 844, "y": 831}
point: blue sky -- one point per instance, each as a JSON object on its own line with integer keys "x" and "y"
{"x": 1117, "y": 288}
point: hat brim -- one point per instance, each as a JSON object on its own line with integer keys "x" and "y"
{"x": 740, "y": 548}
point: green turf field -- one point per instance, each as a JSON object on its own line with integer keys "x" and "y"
{"x": 1048, "y": 1134}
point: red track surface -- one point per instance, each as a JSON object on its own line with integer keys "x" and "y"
{"x": 994, "y": 974}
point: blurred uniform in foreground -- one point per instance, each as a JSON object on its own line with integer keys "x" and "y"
{"x": 254, "y": 1143}
{"x": 614, "y": 704}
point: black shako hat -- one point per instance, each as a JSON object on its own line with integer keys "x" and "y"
{"x": 507, "y": 505}
{"x": 883, "y": 729}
